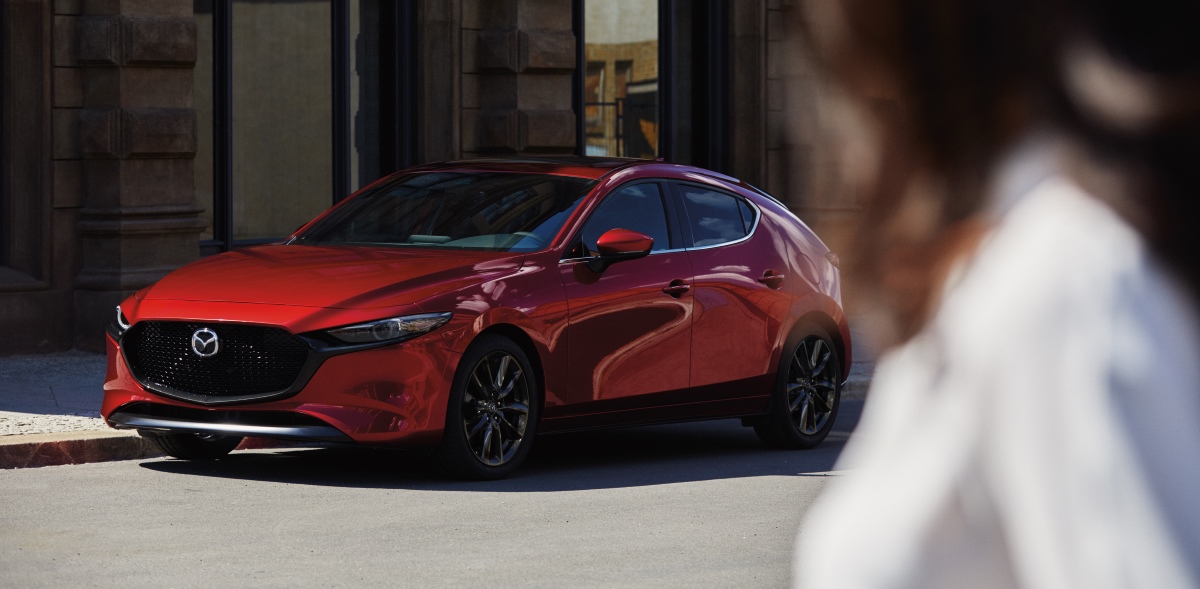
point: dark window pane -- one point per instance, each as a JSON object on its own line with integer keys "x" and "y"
{"x": 714, "y": 217}
{"x": 637, "y": 208}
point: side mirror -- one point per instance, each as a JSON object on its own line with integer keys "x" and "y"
{"x": 619, "y": 244}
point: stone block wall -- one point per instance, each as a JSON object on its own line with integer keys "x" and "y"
{"x": 135, "y": 139}
{"x": 518, "y": 61}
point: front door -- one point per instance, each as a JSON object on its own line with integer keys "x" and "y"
{"x": 628, "y": 340}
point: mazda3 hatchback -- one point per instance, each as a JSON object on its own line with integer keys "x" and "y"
{"x": 469, "y": 306}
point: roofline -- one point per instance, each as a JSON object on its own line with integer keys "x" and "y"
{"x": 593, "y": 168}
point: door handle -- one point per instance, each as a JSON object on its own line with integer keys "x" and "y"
{"x": 772, "y": 279}
{"x": 677, "y": 288}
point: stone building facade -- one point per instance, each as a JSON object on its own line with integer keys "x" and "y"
{"x": 139, "y": 135}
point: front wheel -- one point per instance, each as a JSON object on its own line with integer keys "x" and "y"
{"x": 493, "y": 411}
{"x": 186, "y": 446}
{"x": 806, "y": 397}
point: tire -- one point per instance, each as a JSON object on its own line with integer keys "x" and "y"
{"x": 807, "y": 394}
{"x": 190, "y": 446}
{"x": 493, "y": 412}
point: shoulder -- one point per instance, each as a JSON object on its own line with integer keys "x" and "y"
{"x": 1058, "y": 263}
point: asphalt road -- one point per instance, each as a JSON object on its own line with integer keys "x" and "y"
{"x": 688, "y": 505}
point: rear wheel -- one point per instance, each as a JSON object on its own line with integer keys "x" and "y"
{"x": 807, "y": 394}
{"x": 493, "y": 410}
{"x": 190, "y": 446}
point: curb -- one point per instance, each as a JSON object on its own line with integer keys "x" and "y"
{"x": 34, "y": 450}
{"x": 37, "y": 450}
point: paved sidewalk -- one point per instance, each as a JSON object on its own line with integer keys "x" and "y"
{"x": 50, "y": 410}
{"x": 51, "y": 393}
{"x": 50, "y": 413}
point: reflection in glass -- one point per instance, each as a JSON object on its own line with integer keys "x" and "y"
{"x": 621, "y": 84}
{"x": 715, "y": 217}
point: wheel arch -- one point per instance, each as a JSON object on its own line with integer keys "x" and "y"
{"x": 525, "y": 342}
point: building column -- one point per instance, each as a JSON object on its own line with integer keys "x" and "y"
{"x": 137, "y": 137}
{"x": 518, "y": 66}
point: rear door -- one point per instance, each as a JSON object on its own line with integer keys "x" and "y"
{"x": 739, "y": 270}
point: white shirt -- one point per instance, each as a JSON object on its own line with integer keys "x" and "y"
{"x": 1043, "y": 430}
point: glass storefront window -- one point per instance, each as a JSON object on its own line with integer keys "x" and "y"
{"x": 282, "y": 100}
{"x": 280, "y": 70}
{"x": 621, "y": 85}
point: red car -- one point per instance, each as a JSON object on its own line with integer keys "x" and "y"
{"x": 468, "y": 306}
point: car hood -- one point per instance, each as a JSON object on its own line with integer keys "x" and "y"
{"x": 330, "y": 277}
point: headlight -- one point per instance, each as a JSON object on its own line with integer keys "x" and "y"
{"x": 122, "y": 322}
{"x": 396, "y": 328}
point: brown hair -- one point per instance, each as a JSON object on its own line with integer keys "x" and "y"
{"x": 968, "y": 78}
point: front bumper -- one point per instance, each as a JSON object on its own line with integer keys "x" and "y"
{"x": 389, "y": 395}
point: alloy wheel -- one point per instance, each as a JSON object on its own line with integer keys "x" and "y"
{"x": 812, "y": 385}
{"x": 496, "y": 408}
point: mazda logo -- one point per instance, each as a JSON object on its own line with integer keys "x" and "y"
{"x": 205, "y": 343}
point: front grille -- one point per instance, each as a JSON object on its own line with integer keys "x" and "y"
{"x": 251, "y": 361}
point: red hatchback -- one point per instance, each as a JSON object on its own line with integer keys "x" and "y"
{"x": 468, "y": 306}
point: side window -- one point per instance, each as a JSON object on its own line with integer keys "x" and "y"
{"x": 715, "y": 217}
{"x": 637, "y": 208}
{"x": 747, "y": 215}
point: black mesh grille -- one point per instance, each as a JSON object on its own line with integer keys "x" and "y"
{"x": 251, "y": 360}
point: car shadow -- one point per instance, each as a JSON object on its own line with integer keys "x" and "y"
{"x": 616, "y": 458}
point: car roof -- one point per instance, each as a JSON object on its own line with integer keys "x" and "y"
{"x": 592, "y": 168}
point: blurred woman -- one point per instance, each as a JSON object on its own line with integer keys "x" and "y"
{"x": 1028, "y": 260}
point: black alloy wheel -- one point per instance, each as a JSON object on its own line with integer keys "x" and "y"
{"x": 493, "y": 410}
{"x": 805, "y": 403}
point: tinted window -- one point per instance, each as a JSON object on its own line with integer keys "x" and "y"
{"x": 483, "y": 210}
{"x": 715, "y": 217}
{"x": 637, "y": 208}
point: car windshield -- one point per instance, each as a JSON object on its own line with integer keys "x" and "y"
{"x": 495, "y": 211}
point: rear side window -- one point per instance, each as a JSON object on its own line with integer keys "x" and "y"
{"x": 715, "y": 217}
{"x": 637, "y": 208}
